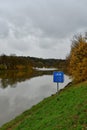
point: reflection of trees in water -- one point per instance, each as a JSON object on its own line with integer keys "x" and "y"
{"x": 6, "y": 82}
{"x": 13, "y": 77}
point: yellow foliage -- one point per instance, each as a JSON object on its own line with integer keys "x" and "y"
{"x": 19, "y": 67}
{"x": 78, "y": 59}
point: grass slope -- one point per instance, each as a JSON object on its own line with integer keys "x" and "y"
{"x": 66, "y": 111}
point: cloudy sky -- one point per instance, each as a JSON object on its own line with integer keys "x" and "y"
{"x": 40, "y": 28}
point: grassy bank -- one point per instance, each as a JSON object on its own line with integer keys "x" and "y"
{"x": 66, "y": 111}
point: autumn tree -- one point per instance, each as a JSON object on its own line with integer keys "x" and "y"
{"x": 78, "y": 59}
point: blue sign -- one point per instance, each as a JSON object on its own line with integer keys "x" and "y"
{"x": 58, "y": 77}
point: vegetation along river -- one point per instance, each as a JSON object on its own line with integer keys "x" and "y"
{"x": 18, "y": 95}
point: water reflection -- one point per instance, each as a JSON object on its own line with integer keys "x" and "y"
{"x": 21, "y": 94}
{"x": 13, "y": 77}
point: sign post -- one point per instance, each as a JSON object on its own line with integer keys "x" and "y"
{"x": 57, "y": 87}
{"x": 58, "y": 77}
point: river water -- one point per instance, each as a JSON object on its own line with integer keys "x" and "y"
{"x": 18, "y": 97}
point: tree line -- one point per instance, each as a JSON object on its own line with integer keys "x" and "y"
{"x": 21, "y": 62}
{"x": 13, "y": 63}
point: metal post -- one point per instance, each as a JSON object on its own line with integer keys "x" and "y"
{"x": 57, "y": 87}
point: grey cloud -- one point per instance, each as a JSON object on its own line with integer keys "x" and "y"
{"x": 47, "y": 43}
{"x": 53, "y": 18}
{"x": 58, "y": 19}
{"x": 3, "y": 29}
{"x": 36, "y": 27}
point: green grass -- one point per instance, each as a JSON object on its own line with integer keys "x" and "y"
{"x": 65, "y": 111}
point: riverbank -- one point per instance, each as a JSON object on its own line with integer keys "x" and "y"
{"x": 65, "y": 111}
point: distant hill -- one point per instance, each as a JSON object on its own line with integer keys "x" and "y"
{"x": 22, "y": 62}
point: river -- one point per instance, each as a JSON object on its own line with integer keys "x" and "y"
{"x": 20, "y": 96}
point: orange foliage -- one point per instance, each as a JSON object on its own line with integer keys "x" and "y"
{"x": 78, "y": 59}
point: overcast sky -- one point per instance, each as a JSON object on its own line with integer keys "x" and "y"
{"x": 40, "y": 28}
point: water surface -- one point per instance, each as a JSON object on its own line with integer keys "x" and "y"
{"x": 18, "y": 97}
